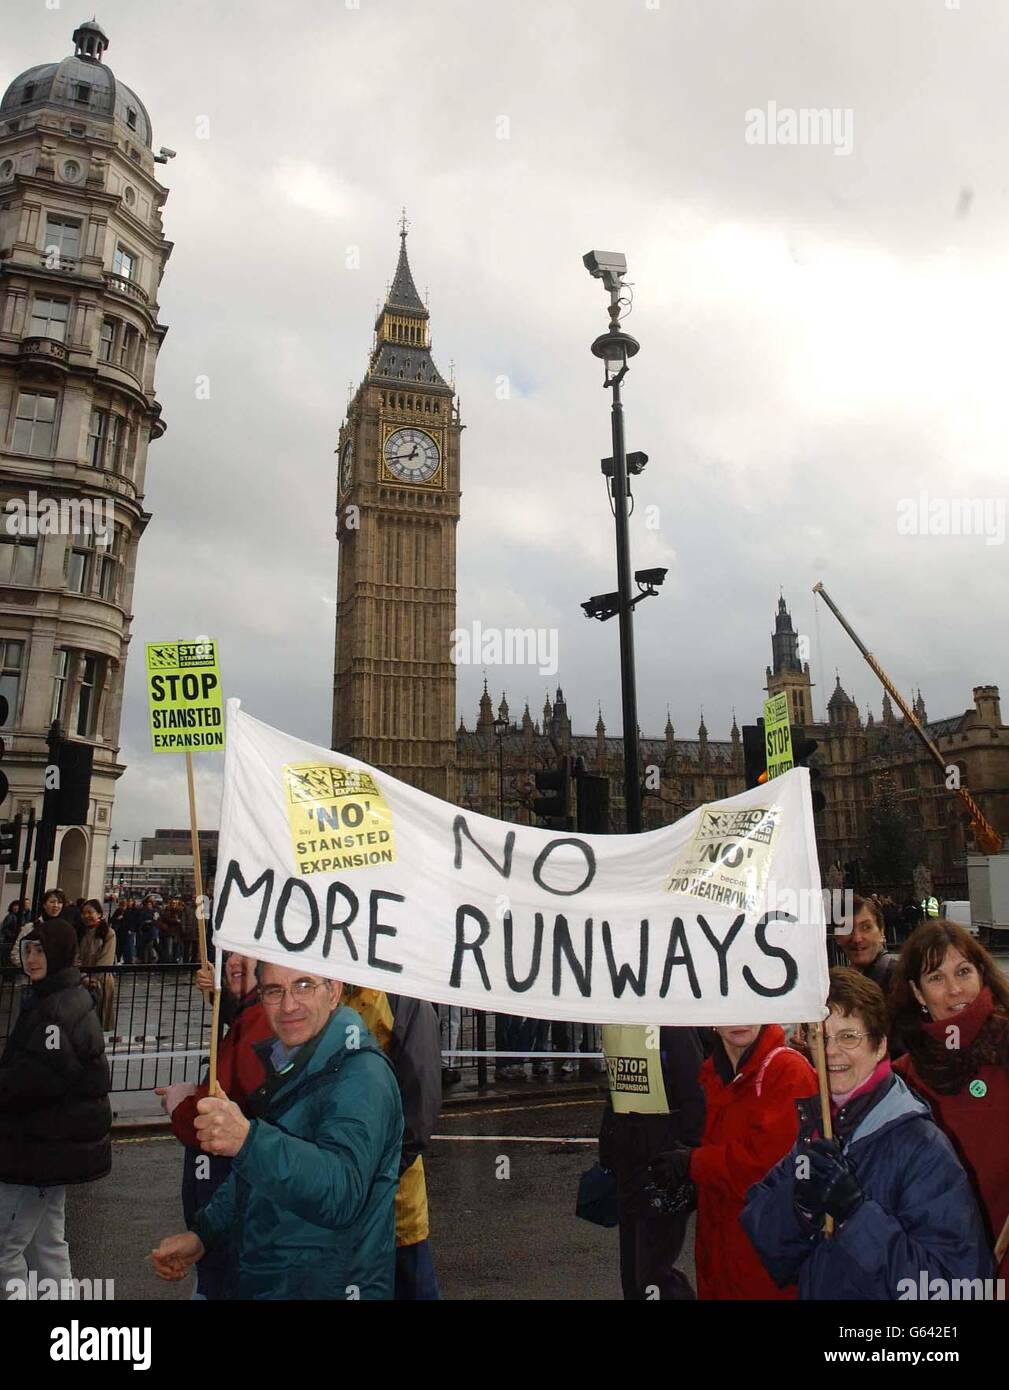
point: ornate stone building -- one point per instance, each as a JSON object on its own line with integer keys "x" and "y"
{"x": 82, "y": 253}
{"x": 854, "y": 756}
{"x": 398, "y": 506}
{"x": 678, "y": 774}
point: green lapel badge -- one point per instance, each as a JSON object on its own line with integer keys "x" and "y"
{"x": 978, "y": 1089}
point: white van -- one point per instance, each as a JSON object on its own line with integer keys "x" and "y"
{"x": 958, "y": 911}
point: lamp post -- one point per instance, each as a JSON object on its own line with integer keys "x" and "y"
{"x": 502, "y": 728}
{"x": 115, "y": 851}
{"x": 614, "y": 348}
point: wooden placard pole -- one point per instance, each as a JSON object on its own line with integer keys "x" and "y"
{"x": 1002, "y": 1244}
{"x": 201, "y": 923}
{"x": 820, "y": 1057}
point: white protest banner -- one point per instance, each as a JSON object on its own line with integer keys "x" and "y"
{"x": 332, "y": 866}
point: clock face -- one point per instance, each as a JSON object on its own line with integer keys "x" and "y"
{"x": 411, "y": 455}
{"x": 346, "y": 466}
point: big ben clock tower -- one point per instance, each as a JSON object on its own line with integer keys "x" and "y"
{"x": 397, "y": 509}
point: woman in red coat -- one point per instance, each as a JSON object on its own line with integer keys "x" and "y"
{"x": 751, "y": 1083}
{"x": 950, "y": 1003}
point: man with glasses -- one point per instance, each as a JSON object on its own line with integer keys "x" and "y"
{"x": 308, "y": 1210}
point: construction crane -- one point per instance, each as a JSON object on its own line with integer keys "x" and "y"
{"x": 989, "y": 841}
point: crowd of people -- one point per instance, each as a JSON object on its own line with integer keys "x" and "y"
{"x": 303, "y": 1172}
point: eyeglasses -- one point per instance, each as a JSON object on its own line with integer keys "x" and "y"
{"x": 849, "y": 1040}
{"x": 301, "y": 990}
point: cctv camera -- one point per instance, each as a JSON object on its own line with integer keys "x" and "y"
{"x": 168, "y": 154}
{"x": 650, "y": 577}
{"x": 605, "y": 263}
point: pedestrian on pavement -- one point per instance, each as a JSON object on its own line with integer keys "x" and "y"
{"x": 53, "y": 905}
{"x": 117, "y": 921}
{"x": 97, "y": 947}
{"x": 133, "y": 922}
{"x": 18, "y": 914}
{"x": 170, "y": 923}
{"x": 901, "y": 1203}
{"x": 55, "y": 1117}
{"x": 751, "y": 1083}
{"x": 450, "y": 1023}
{"x": 948, "y": 989}
{"x": 510, "y": 1035}
{"x": 240, "y": 1071}
{"x": 308, "y": 1209}
{"x": 651, "y": 1239}
{"x": 190, "y": 933}
{"x": 407, "y": 1032}
{"x": 150, "y": 932}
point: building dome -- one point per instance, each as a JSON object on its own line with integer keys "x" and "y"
{"x": 83, "y": 84}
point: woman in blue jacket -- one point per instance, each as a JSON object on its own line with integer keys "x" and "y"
{"x": 901, "y": 1202}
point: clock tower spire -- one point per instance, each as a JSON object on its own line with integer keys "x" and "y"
{"x": 398, "y": 505}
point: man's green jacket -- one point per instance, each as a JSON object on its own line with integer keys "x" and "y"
{"x": 308, "y": 1208}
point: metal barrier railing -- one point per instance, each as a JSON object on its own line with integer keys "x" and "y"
{"x": 157, "y": 1029}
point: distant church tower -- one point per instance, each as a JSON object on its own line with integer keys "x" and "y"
{"x": 398, "y": 506}
{"x": 789, "y": 672}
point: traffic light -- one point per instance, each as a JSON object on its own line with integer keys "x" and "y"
{"x": 754, "y": 754}
{"x": 10, "y": 839}
{"x": 802, "y": 750}
{"x": 69, "y": 802}
{"x": 555, "y": 783}
{"x": 592, "y": 796}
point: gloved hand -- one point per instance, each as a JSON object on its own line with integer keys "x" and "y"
{"x": 833, "y": 1186}
{"x": 807, "y": 1204}
{"x": 671, "y": 1168}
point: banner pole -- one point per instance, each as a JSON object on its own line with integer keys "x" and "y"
{"x": 201, "y": 927}
{"x": 215, "y": 1028}
{"x": 1002, "y": 1244}
{"x": 821, "y": 1076}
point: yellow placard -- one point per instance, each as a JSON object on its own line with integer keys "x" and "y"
{"x": 184, "y": 697}
{"x": 338, "y": 819}
{"x": 777, "y": 735}
{"x": 634, "y": 1069}
{"x": 728, "y": 858}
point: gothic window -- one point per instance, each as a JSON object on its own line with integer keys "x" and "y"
{"x": 35, "y": 423}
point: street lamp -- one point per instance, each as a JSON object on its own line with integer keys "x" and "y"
{"x": 502, "y": 728}
{"x": 615, "y": 348}
{"x": 115, "y": 851}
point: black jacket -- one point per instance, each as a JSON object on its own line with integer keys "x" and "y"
{"x": 55, "y": 1116}
{"x": 628, "y": 1143}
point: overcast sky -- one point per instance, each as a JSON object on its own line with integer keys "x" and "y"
{"x": 822, "y": 333}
